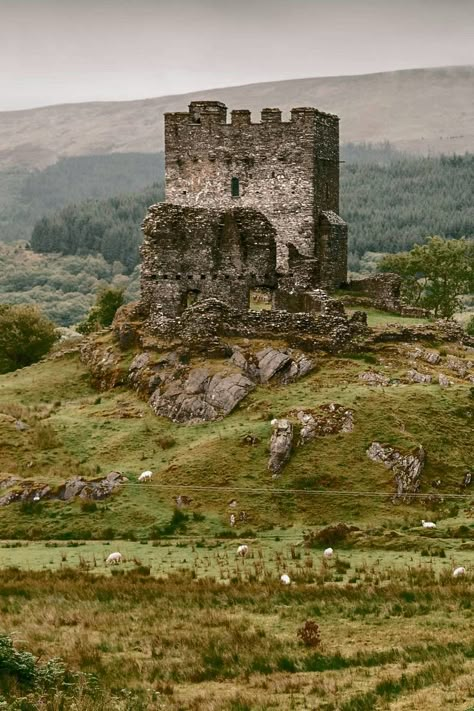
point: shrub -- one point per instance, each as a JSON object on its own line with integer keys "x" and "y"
{"x": 102, "y": 313}
{"x": 25, "y": 336}
{"x": 309, "y": 634}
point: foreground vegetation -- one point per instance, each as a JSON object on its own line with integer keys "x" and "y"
{"x": 392, "y": 638}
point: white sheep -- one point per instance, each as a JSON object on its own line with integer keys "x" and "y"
{"x": 232, "y": 519}
{"x": 242, "y": 550}
{"x": 145, "y": 476}
{"x": 114, "y": 559}
{"x": 285, "y": 579}
{"x": 328, "y": 553}
{"x": 428, "y": 524}
{"x": 458, "y": 572}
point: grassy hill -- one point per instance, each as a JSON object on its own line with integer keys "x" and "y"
{"x": 74, "y": 430}
{"x": 418, "y": 110}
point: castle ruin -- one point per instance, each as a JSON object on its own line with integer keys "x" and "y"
{"x": 248, "y": 206}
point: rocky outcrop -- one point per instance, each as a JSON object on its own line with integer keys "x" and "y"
{"x": 92, "y": 489}
{"x": 432, "y": 357}
{"x": 200, "y": 396}
{"x": 104, "y": 363}
{"x": 444, "y": 381}
{"x": 413, "y": 376}
{"x": 330, "y": 419}
{"x": 273, "y": 364}
{"x": 458, "y": 365}
{"x": 407, "y": 468}
{"x": 280, "y": 445}
{"x": 371, "y": 377}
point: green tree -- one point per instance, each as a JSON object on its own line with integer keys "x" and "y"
{"x": 435, "y": 274}
{"x": 25, "y": 336}
{"x": 101, "y": 315}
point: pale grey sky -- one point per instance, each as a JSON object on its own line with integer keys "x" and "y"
{"x": 61, "y": 51}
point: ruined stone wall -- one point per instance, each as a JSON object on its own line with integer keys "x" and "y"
{"x": 190, "y": 254}
{"x": 382, "y": 289}
{"x": 212, "y": 319}
{"x": 332, "y": 250}
{"x": 288, "y": 170}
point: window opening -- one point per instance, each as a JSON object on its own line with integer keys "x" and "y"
{"x": 191, "y": 297}
{"x": 235, "y": 187}
{"x": 261, "y": 299}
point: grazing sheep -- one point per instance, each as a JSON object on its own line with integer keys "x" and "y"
{"x": 328, "y": 553}
{"x": 242, "y": 550}
{"x": 232, "y": 520}
{"x": 285, "y": 579}
{"x": 232, "y": 503}
{"x": 428, "y": 524}
{"x": 114, "y": 559}
{"x": 458, "y": 572}
{"x": 145, "y": 476}
{"x": 36, "y": 497}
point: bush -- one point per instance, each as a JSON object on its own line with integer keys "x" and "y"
{"x": 25, "y": 336}
{"x": 102, "y": 313}
{"x": 309, "y": 634}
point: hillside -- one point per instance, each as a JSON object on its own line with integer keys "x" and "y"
{"x": 225, "y": 636}
{"x": 418, "y": 110}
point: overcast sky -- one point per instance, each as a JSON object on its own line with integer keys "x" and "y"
{"x": 57, "y": 51}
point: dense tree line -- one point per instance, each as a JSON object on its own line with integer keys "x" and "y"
{"x": 390, "y": 200}
{"x": 27, "y": 196}
{"x": 391, "y": 207}
{"x": 110, "y": 228}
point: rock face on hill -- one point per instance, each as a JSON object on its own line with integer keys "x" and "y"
{"x": 33, "y": 491}
{"x": 406, "y": 468}
{"x": 280, "y": 445}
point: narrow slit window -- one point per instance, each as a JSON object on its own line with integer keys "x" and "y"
{"x": 235, "y": 187}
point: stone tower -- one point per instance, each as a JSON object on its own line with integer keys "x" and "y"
{"x": 287, "y": 170}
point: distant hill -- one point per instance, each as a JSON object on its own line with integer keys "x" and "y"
{"x": 417, "y": 110}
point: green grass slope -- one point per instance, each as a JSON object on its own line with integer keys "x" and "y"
{"x": 74, "y": 430}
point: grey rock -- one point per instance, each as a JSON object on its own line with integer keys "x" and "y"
{"x": 458, "y": 365}
{"x": 371, "y": 377}
{"x": 201, "y": 397}
{"x": 21, "y": 426}
{"x": 415, "y": 377}
{"x": 139, "y": 362}
{"x": 197, "y": 381}
{"x": 407, "y": 468}
{"x": 270, "y": 361}
{"x": 225, "y": 393}
{"x": 280, "y": 445}
{"x": 444, "y": 381}
{"x": 432, "y": 357}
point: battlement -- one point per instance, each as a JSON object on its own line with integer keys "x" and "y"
{"x": 206, "y": 113}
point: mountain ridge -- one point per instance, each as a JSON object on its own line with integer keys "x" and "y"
{"x": 426, "y": 110}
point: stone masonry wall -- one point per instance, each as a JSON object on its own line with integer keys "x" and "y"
{"x": 289, "y": 170}
{"x": 190, "y": 254}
